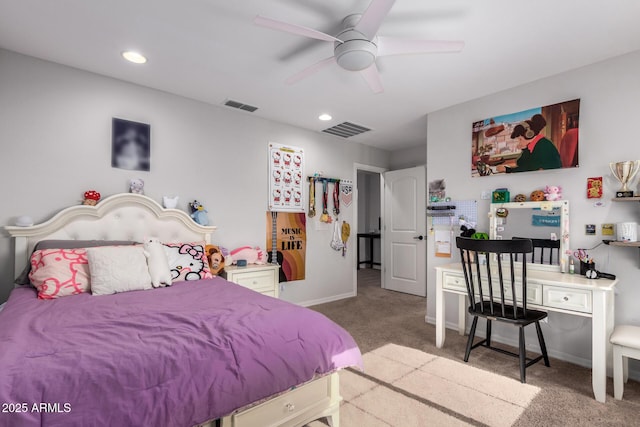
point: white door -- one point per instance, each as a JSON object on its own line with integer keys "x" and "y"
{"x": 404, "y": 234}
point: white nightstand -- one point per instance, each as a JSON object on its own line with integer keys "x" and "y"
{"x": 260, "y": 278}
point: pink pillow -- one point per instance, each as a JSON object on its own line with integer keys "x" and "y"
{"x": 188, "y": 261}
{"x": 60, "y": 272}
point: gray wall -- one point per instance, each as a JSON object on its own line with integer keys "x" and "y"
{"x": 609, "y": 93}
{"x": 408, "y": 157}
{"x": 55, "y": 133}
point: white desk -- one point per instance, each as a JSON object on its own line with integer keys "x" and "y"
{"x": 549, "y": 291}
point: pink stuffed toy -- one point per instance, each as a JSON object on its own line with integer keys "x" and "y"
{"x": 253, "y": 255}
{"x": 551, "y": 193}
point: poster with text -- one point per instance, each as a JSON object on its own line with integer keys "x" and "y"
{"x": 286, "y": 178}
{"x": 287, "y": 243}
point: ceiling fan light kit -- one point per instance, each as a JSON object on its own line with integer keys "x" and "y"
{"x": 357, "y": 46}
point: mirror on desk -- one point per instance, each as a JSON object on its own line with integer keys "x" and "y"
{"x": 546, "y": 223}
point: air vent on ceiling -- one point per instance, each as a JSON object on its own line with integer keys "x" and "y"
{"x": 346, "y": 129}
{"x": 239, "y": 105}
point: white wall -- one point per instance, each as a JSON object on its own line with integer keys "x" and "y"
{"x": 408, "y": 157}
{"x": 55, "y": 133}
{"x": 609, "y": 93}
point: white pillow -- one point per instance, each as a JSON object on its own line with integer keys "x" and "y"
{"x": 118, "y": 269}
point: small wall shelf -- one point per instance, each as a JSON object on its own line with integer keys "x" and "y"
{"x": 626, "y": 199}
{"x": 618, "y": 243}
{"x": 627, "y": 244}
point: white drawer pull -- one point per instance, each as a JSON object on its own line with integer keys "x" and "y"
{"x": 566, "y": 298}
{"x": 255, "y": 282}
{"x": 290, "y": 407}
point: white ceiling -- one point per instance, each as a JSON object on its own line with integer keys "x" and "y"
{"x": 210, "y": 50}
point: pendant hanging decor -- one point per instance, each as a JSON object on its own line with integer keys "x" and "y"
{"x": 325, "y": 194}
{"x": 312, "y": 197}
{"x": 346, "y": 231}
{"x": 336, "y": 241}
{"x": 336, "y": 198}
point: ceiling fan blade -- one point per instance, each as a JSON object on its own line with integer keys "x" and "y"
{"x": 293, "y": 29}
{"x": 310, "y": 70}
{"x": 395, "y": 46}
{"x": 372, "y": 18}
{"x": 372, "y": 77}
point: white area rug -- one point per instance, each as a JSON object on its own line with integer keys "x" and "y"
{"x": 406, "y": 387}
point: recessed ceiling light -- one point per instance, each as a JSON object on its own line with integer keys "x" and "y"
{"x": 134, "y": 57}
{"x": 325, "y": 117}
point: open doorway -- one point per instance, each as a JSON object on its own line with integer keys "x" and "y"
{"x": 369, "y": 221}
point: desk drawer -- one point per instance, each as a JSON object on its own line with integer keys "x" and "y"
{"x": 454, "y": 283}
{"x": 534, "y": 292}
{"x": 567, "y": 299}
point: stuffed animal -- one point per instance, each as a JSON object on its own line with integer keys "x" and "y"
{"x": 520, "y": 198}
{"x": 537, "y": 196}
{"x": 157, "y": 262}
{"x": 136, "y": 186}
{"x": 552, "y": 192}
{"x": 91, "y": 198}
{"x": 253, "y": 255}
{"x": 170, "y": 202}
{"x": 216, "y": 259}
{"x": 199, "y": 213}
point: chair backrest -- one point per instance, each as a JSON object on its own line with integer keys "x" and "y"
{"x": 491, "y": 285}
{"x": 542, "y": 247}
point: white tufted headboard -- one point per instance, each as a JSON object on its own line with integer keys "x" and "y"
{"x": 121, "y": 217}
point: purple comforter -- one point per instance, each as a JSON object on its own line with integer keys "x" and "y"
{"x": 174, "y": 356}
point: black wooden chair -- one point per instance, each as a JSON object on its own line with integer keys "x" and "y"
{"x": 542, "y": 247}
{"x": 492, "y": 275}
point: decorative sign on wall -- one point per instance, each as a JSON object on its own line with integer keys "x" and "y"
{"x": 531, "y": 140}
{"x": 289, "y": 230}
{"x": 286, "y": 183}
{"x": 346, "y": 192}
{"x": 130, "y": 145}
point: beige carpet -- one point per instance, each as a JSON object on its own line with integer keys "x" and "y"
{"x": 409, "y": 382}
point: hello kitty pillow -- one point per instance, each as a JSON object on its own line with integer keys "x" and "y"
{"x": 187, "y": 261}
{"x": 60, "y": 272}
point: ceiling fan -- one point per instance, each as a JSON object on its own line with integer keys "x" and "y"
{"x": 357, "y": 46}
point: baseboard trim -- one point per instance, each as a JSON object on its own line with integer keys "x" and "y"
{"x": 327, "y": 299}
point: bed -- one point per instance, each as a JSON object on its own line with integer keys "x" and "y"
{"x": 205, "y": 352}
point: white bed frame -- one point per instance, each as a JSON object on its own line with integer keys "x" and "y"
{"x": 133, "y": 217}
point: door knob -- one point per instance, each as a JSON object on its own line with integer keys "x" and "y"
{"x": 418, "y": 238}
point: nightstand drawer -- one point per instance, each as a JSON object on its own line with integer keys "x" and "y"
{"x": 568, "y": 299}
{"x": 255, "y": 280}
{"x": 259, "y": 278}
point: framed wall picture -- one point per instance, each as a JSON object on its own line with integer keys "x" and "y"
{"x": 130, "y": 145}
{"x": 531, "y": 140}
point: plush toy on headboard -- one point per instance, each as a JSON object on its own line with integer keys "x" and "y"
{"x": 136, "y": 186}
{"x": 91, "y": 198}
{"x": 199, "y": 213}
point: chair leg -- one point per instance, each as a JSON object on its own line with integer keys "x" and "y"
{"x": 472, "y": 334}
{"x": 618, "y": 374}
{"x": 523, "y": 357}
{"x": 488, "y": 344}
{"x": 543, "y": 347}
